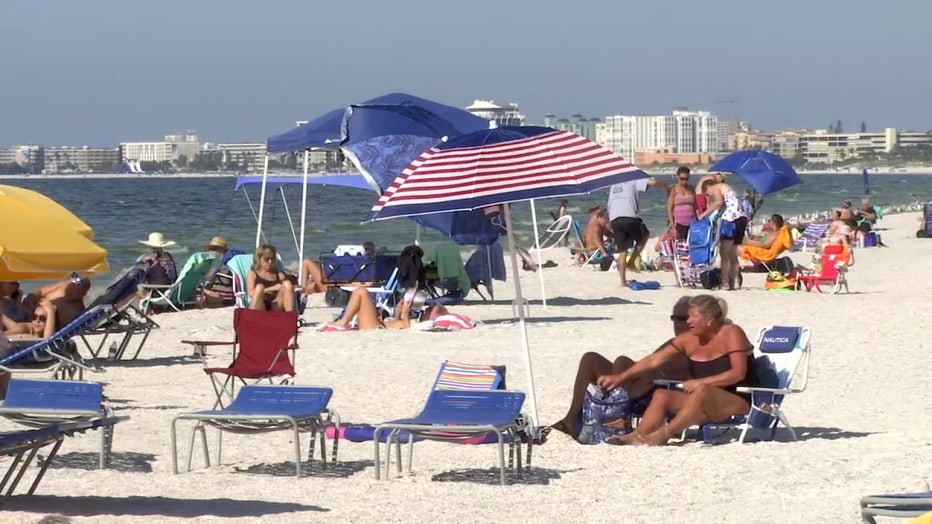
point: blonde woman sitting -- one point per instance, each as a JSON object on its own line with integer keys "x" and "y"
{"x": 268, "y": 288}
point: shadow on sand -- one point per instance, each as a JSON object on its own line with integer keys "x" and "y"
{"x": 127, "y": 462}
{"x": 569, "y": 301}
{"x": 492, "y": 476}
{"x": 93, "y": 505}
{"x": 340, "y": 469}
{"x": 542, "y": 320}
{"x": 150, "y": 362}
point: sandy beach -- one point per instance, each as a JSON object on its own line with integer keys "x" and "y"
{"x": 864, "y": 421}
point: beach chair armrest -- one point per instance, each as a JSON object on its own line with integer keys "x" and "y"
{"x": 776, "y": 391}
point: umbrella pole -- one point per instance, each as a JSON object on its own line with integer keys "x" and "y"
{"x": 540, "y": 263}
{"x": 488, "y": 259}
{"x": 519, "y": 302}
{"x": 265, "y": 176}
{"x": 303, "y": 221}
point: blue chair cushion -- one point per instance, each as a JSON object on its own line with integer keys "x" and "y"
{"x": 779, "y": 339}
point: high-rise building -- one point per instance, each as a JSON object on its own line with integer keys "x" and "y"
{"x": 685, "y": 131}
{"x": 578, "y": 124}
{"x": 508, "y": 115}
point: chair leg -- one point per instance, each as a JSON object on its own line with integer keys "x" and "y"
{"x": 45, "y": 466}
{"x": 297, "y": 448}
{"x": 501, "y": 456}
{"x": 783, "y": 420}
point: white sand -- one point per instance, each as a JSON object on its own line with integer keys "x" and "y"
{"x": 865, "y": 420}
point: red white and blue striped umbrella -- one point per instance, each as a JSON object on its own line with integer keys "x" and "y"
{"x": 499, "y": 166}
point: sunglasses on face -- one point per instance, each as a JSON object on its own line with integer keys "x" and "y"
{"x": 40, "y": 318}
{"x": 679, "y": 318}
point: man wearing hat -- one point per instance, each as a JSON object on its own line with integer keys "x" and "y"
{"x": 162, "y": 269}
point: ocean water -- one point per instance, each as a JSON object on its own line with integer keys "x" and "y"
{"x": 189, "y": 211}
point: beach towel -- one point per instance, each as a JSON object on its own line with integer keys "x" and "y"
{"x": 640, "y": 286}
{"x": 783, "y": 242}
{"x": 327, "y": 328}
{"x": 449, "y": 264}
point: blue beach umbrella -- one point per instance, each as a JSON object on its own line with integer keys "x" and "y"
{"x": 765, "y": 172}
{"x": 867, "y": 183}
{"x": 496, "y": 167}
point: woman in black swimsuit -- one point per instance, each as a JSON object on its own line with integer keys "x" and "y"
{"x": 720, "y": 357}
{"x": 268, "y": 288}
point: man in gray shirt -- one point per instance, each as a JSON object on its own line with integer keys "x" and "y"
{"x": 627, "y": 227}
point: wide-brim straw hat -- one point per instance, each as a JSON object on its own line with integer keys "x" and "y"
{"x": 217, "y": 242}
{"x": 157, "y": 240}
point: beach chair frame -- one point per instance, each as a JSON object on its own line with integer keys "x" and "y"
{"x": 264, "y": 409}
{"x": 41, "y": 403}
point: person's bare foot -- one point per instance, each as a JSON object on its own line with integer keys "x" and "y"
{"x": 657, "y": 438}
{"x": 631, "y": 439}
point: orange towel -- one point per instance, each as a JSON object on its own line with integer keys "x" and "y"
{"x": 783, "y": 242}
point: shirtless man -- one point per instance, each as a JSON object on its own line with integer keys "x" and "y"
{"x": 67, "y": 297}
{"x": 596, "y": 229}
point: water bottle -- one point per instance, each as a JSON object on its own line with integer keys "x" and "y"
{"x": 112, "y": 353}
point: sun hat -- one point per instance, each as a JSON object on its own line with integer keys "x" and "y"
{"x": 157, "y": 240}
{"x": 593, "y": 207}
{"x": 218, "y": 242}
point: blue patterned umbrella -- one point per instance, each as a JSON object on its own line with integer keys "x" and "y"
{"x": 765, "y": 172}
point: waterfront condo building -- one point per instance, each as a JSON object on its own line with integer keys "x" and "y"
{"x": 508, "y": 115}
{"x": 684, "y": 131}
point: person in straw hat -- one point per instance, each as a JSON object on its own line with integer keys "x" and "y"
{"x": 162, "y": 270}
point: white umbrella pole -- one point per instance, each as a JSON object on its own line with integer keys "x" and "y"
{"x": 519, "y": 301}
{"x": 540, "y": 270}
{"x": 265, "y": 176}
{"x": 303, "y": 222}
{"x": 417, "y": 233}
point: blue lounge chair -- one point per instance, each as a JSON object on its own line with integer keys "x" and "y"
{"x": 262, "y": 409}
{"x": 901, "y": 505}
{"x": 57, "y": 354}
{"x": 457, "y": 415}
{"x": 809, "y": 238}
{"x": 23, "y": 446}
{"x": 41, "y": 403}
{"x": 124, "y": 319}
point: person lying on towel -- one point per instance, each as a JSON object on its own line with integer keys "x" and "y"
{"x": 361, "y": 306}
{"x": 768, "y": 248}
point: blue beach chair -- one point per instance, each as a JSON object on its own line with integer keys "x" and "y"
{"x": 457, "y": 415}
{"x": 57, "y": 354}
{"x": 262, "y": 409}
{"x": 124, "y": 319}
{"x": 41, "y": 403}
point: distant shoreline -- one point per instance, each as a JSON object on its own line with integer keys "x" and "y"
{"x": 878, "y": 171}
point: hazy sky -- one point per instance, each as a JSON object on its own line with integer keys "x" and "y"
{"x": 97, "y": 72}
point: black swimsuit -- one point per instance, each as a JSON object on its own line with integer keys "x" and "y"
{"x": 710, "y": 368}
{"x": 268, "y": 297}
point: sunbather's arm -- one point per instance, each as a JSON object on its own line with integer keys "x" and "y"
{"x": 50, "y": 316}
{"x": 647, "y": 365}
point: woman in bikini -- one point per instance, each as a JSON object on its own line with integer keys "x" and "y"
{"x": 268, "y": 288}
{"x": 720, "y": 357}
{"x": 361, "y": 306}
{"x": 681, "y": 204}
{"x": 42, "y": 324}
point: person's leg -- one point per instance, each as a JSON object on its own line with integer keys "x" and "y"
{"x": 360, "y": 305}
{"x": 257, "y": 299}
{"x": 591, "y": 366}
{"x": 643, "y": 236}
{"x": 312, "y": 276}
{"x": 705, "y": 404}
{"x": 662, "y": 402}
{"x": 726, "y": 248}
{"x": 4, "y": 383}
{"x": 284, "y": 299}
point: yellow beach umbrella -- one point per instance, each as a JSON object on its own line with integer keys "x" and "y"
{"x": 41, "y": 240}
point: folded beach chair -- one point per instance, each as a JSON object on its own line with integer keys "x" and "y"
{"x": 458, "y": 415}
{"x": 183, "y": 291}
{"x": 832, "y": 267}
{"x": 697, "y": 253}
{"x": 41, "y": 403}
{"x": 124, "y": 319}
{"x": 809, "y": 238}
{"x": 260, "y": 351}
{"x": 900, "y": 505}
{"x": 23, "y": 447}
{"x": 58, "y": 353}
{"x": 263, "y": 409}
{"x": 781, "y": 356}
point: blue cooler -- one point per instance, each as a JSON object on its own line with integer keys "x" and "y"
{"x": 870, "y": 239}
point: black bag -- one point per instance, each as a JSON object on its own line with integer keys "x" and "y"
{"x": 784, "y": 265}
{"x": 711, "y": 279}
{"x": 336, "y": 297}
{"x": 606, "y": 263}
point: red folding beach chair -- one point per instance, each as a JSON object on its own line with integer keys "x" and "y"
{"x": 260, "y": 351}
